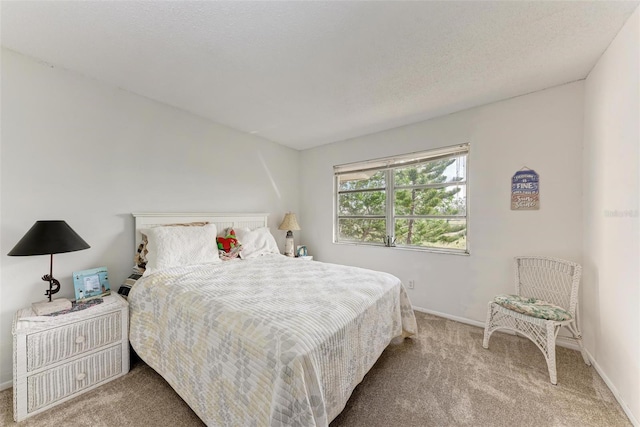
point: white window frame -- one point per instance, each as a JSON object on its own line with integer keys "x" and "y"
{"x": 387, "y": 165}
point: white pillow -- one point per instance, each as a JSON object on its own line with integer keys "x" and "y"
{"x": 256, "y": 242}
{"x": 175, "y": 246}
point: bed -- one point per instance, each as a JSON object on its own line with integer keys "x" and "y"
{"x": 270, "y": 340}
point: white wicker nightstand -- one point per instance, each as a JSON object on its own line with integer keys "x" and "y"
{"x": 60, "y": 357}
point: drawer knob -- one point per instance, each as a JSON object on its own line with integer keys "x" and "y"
{"x": 79, "y": 339}
{"x": 81, "y": 376}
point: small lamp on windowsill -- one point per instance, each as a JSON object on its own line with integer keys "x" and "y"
{"x": 289, "y": 223}
{"x": 48, "y": 238}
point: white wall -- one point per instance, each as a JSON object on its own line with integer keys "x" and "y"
{"x": 611, "y": 290}
{"x": 90, "y": 154}
{"x": 542, "y": 130}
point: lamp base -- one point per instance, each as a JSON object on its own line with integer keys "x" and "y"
{"x": 288, "y": 246}
{"x": 54, "y": 285}
{"x": 47, "y": 307}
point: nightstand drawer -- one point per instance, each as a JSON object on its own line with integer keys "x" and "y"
{"x": 55, "y": 384}
{"x": 54, "y": 345}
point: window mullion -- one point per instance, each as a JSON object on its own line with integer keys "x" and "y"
{"x": 361, "y": 216}
{"x": 427, "y": 186}
{"x": 390, "y": 181}
{"x": 336, "y": 208}
{"x": 360, "y": 190}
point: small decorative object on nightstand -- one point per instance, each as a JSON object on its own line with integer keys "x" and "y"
{"x": 91, "y": 284}
{"x": 289, "y": 223}
{"x": 48, "y": 238}
{"x": 301, "y": 251}
{"x": 60, "y": 357}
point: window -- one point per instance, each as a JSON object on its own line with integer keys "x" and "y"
{"x": 416, "y": 200}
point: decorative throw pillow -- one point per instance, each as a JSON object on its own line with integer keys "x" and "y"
{"x": 232, "y": 254}
{"x": 228, "y": 246}
{"x": 140, "y": 258}
{"x": 128, "y": 284}
{"x": 228, "y": 242}
{"x": 141, "y": 254}
{"x": 175, "y": 246}
{"x": 256, "y": 242}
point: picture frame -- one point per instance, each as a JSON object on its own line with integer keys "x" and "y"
{"x": 301, "y": 251}
{"x": 91, "y": 284}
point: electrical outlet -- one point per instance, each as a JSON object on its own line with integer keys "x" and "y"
{"x": 412, "y": 284}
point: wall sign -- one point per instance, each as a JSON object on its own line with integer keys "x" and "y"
{"x": 525, "y": 190}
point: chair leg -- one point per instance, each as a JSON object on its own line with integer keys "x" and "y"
{"x": 487, "y": 327}
{"x": 551, "y": 353}
{"x": 573, "y": 327}
{"x": 583, "y": 351}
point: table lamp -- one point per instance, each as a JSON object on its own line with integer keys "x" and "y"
{"x": 289, "y": 223}
{"x": 48, "y": 238}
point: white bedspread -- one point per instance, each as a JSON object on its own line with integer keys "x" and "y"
{"x": 268, "y": 341}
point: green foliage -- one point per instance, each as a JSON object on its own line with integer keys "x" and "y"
{"x": 364, "y": 203}
{"x": 363, "y": 230}
{"x": 407, "y": 202}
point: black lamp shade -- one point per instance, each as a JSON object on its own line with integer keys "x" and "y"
{"x": 49, "y": 237}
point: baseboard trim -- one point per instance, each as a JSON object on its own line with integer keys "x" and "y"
{"x": 450, "y": 317}
{"x": 562, "y": 342}
{"x": 6, "y": 385}
{"x": 614, "y": 390}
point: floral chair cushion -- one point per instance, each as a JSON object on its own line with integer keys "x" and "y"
{"x": 533, "y": 307}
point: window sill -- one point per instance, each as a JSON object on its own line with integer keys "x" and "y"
{"x": 408, "y": 248}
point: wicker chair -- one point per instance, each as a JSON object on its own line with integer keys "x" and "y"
{"x": 546, "y": 300}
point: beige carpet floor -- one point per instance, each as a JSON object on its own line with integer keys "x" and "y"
{"x": 442, "y": 377}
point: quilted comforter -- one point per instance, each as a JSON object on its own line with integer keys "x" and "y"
{"x": 270, "y": 341}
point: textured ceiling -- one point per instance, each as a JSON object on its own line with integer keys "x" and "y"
{"x": 308, "y": 73}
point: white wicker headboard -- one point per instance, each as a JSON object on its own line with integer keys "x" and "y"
{"x": 221, "y": 220}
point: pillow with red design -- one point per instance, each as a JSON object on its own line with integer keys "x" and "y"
{"x": 228, "y": 246}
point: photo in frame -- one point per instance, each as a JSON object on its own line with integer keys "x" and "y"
{"x": 301, "y": 251}
{"x": 91, "y": 284}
